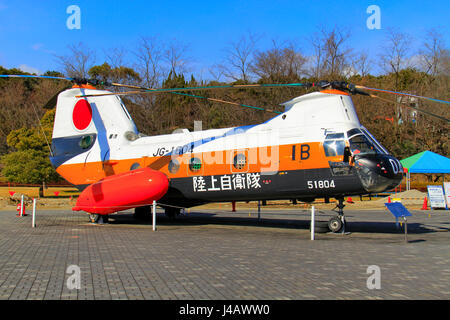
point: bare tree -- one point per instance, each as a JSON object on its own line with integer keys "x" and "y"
{"x": 395, "y": 55}
{"x": 176, "y": 57}
{"x": 362, "y": 64}
{"x": 217, "y": 72}
{"x": 331, "y": 56}
{"x": 239, "y": 56}
{"x": 280, "y": 63}
{"x": 78, "y": 62}
{"x": 445, "y": 64}
{"x": 316, "y": 60}
{"x": 149, "y": 56}
{"x": 335, "y": 54}
{"x": 433, "y": 53}
{"x": 115, "y": 57}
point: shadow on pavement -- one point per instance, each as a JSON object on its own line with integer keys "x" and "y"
{"x": 199, "y": 219}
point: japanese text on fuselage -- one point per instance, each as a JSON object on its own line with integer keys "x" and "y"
{"x": 238, "y": 181}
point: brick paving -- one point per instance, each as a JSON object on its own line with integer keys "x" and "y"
{"x": 222, "y": 255}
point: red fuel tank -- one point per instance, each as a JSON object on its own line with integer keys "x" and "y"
{"x": 123, "y": 191}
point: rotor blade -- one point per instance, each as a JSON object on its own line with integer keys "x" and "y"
{"x": 174, "y": 92}
{"x": 162, "y": 90}
{"x": 129, "y": 86}
{"x": 33, "y": 76}
{"x": 409, "y": 106}
{"x": 402, "y": 94}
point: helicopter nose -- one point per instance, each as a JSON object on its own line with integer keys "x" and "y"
{"x": 378, "y": 173}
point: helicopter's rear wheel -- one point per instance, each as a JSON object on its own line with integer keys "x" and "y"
{"x": 98, "y": 218}
{"x": 335, "y": 224}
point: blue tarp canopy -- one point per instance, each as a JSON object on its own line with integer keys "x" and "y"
{"x": 427, "y": 162}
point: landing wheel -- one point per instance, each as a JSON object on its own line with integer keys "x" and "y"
{"x": 335, "y": 224}
{"x": 338, "y": 223}
{"x": 171, "y": 212}
{"x": 98, "y": 218}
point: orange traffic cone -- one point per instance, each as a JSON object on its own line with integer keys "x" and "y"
{"x": 425, "y": 204}
{"x": 389, "y": 200}
{"x": 350, "y": 200}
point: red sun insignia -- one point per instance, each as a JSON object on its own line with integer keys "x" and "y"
{"x": 82, "y": 115}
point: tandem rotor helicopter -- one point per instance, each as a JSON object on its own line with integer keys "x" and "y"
{"x": 316, "y": 148}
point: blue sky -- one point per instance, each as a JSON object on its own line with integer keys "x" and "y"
{"x": 32, "y": 32}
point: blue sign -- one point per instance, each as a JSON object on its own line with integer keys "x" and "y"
{"x": 398, "y": 210}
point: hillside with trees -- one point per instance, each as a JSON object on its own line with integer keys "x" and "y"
{"x": 26, "y": 105}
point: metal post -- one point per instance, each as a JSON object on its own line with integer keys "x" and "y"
{"x": 406, "y": 230}
{"x": 408, "y": 180}
{"x": 312, "y": 223}
{"x": 154, "y": 215}
{"x": 259, "y": 210}
{"x": 33, "y": 221}
{"x": 21, "y": 206}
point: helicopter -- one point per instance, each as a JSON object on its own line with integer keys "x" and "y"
{"x": 316, "y": 148}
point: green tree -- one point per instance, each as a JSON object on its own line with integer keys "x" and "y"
{"x": 30, "y": 162}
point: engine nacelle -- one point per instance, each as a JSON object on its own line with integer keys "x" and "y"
{"x": 123, "y": 191}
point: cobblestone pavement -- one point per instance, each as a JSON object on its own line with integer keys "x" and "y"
{"x": 222, "y": 255}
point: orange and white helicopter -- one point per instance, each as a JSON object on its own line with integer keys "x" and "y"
{"x": 316, "y": 148}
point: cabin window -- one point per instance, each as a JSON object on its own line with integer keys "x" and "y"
{"x": 123, "y": 108}
{"x": 195, "y": 164}
{"x": 239, "y": 161}
{"x": 334, "y": 147}
{"x": 174, "y": 166}
{"x": 86, "y": 141}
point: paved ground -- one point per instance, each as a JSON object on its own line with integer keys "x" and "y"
{"x": 222, "y": 255}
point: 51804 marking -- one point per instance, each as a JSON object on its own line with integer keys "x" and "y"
{"x": 320, "y": 184}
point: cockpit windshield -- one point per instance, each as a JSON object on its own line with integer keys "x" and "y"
{"x": 375, "y": 141}
{"x": 362, "y": 142}
{"x": 359, "y": 139}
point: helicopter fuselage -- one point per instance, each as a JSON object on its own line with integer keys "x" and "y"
{"x": 317, "y": 148}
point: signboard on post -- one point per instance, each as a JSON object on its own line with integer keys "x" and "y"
{"x": 447, "y": 193}
{"x": 436, "y": 197}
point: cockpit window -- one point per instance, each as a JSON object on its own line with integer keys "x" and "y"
{"x": 360, "y": 144}
{"x": 123, "y": 108}
{"x": 352, "y": 132}
{"x": 375, "y": 141}
{"x": 334, "y": 144}
{"x": 361, "y": 141}
{"x": 334, "y": 136}
{"x": 334, "y": 147}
